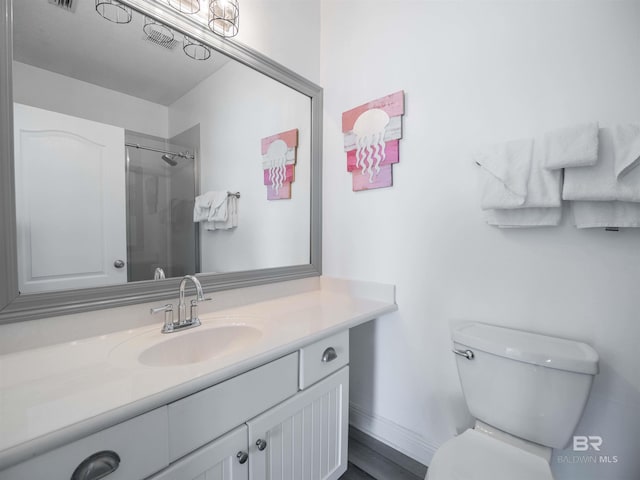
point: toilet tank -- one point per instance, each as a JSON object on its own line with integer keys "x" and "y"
{"x": 532, "y": 386}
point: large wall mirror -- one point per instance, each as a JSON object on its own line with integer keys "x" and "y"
{"x": 146, "y": 148}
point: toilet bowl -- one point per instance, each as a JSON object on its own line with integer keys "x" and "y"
{"x": 527, "y": 392}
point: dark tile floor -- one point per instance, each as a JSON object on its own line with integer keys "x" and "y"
{"x": 354, "y": 473}
{"x": 370, "y": 459}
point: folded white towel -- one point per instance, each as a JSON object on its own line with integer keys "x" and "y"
{"x": 614, "y": 176}
{"x": 544, "y": 186}
{"x": 505, "y": 173}
{"x": 606, "y": 214}
{"x": 202, "y": 206}
{"x": 523, "y": 217}
{"x": 232, "y": 216}
{"x": 575, "y": 146}
{"x": 543, "y": 201}
{"x": 218, "y": 211}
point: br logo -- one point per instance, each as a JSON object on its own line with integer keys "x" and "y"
{"x": 583, "y": 443}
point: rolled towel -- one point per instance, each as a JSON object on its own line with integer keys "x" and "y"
{"x": 614, "y": 176}
{"x": 505, "y": 173}
{"x": 575, "y": 146}
{"x": 606, "y": 214}
{"x": 523, "y": 217}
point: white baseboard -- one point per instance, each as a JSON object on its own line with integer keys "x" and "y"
{"x": 397, "y": 437}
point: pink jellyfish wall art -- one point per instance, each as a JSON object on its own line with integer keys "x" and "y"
{"x": 278, "y": 163}
{"x": 371, "y": 136}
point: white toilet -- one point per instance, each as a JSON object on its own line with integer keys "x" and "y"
{"x": 527, "y": 393}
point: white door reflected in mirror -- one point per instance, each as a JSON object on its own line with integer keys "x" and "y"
{"x": 70, "y": 201}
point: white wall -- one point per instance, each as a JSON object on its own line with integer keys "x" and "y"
{"x": 44, "y": 89}
{"x": 287, "y": 31}
{"x": 477, "y": 72}
{"x": 235, "y": 108}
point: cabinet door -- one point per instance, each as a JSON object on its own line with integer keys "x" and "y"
{"x": 218, "y": 460}
{"x": 305, "y": 437}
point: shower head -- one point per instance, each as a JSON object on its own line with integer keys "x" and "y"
{"x": 169, "y": 158}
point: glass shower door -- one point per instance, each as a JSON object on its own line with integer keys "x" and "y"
{"x": 160, "y": 196}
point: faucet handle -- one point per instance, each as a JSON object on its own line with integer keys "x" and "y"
{"x": 168, "y": 316}
{"x": 164, "y": 308}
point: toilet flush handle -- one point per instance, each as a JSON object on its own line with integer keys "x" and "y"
{"x": 468, "y": 354}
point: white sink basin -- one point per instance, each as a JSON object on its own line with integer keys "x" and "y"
{"x": 192, "y": 346}
{"x": 199, "y": 345}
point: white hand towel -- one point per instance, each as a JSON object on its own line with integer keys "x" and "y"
{"x": 606, "y": 214}
{"x": 232, "y": 216}
{"x": 218, "y": 211}
{"x": 202, "y": 206}
{"x": 505, "y": 173}
{"x": 575, "y": 146}
{"x": 523, "y": 217}
{"x": 614, "y": 176}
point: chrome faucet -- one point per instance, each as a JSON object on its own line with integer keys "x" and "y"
{"x": 183, "y": 322}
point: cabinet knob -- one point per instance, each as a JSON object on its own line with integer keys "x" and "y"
{"x": 97, "y": 466}
{"x": 261, "y": 444}
{"x": 118, "y": 264}
{"x": 242, "y": 457}
{"x": 329, "y": 355}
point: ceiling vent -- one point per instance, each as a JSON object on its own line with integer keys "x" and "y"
{"x": 162, "y": 40}
{"x": 66, "y": 4}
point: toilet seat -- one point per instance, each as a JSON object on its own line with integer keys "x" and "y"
{"x": 474, "y": 455}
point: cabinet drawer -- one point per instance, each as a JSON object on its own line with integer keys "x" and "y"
{"x": 140, "y": 443}
{"x": 318, "y": 360}
{"x": 206, "y": 415}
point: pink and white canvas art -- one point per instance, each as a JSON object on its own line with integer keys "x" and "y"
{"x": 371, "y": 139}
{"x": 278, "y": 162}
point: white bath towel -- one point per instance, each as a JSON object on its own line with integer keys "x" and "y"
{"x": 232, "y": 216}
{"x": 614, "y": 176}
{"x": 544, "y": 188}
{"x": 505, "y": 172}
{"x": 575, "y": 146}
{"x": 606, "y": 214}
{"x": 543, "y": 200}
{"x": 523, "y": 217}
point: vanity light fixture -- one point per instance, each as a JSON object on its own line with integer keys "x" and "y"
{"x": 195, "y": 49}
{"x": 222, "y": 20}
{"x": 114, "y": 11}
{"x": 185, "y": 6}
{"x": 224, "y": 17}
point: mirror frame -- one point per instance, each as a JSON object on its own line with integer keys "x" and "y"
{"x": 15, "y": 307}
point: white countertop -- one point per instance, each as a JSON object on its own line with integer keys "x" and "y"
{"x": 53, "y": 395}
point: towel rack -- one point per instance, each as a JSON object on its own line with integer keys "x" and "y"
{"x": 233, "y": 194}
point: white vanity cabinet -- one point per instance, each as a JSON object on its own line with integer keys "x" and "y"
{"x": 285, "y": 420}
{"x": 223, "y": 459}
{"x": 133, "y": 449}
{"x": 301, "y": 438}
{"x": 305, "y": 437}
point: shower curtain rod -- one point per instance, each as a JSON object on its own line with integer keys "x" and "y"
{"x": 185, "y": 154}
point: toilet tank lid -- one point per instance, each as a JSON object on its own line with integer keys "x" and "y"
{"x": 551, "y": 352}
